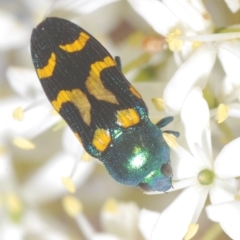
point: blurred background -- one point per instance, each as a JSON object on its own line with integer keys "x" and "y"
{"x": 41, "y": 163}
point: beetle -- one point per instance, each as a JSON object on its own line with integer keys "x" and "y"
{"x": 85, "y": 85}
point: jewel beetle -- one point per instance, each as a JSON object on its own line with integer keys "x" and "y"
{"x": 85, "y": 85}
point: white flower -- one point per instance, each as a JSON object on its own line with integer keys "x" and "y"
{"x": 228, "y": 215}
{"x": 234, "y": 5}
{"x": 121, "y": 219}
{"x": 17, "y": 212}
{"x": 79, "y": 7}
{"x": 36, "y": 112}
{"x": 195, "y": 52}
{"x": 118, "y": 220}
{"x": 197, "y": 70}
{"x": 147, "y": 221}
{"x": 13, "y": 34}
{"x": 198, "y": 172}
{"x": 189, "y": 18}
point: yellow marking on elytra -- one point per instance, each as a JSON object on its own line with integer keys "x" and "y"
{"x": 76, "y": 97}
{"x": 77, "y": 45}
{"x": 94, "y": 84}
{"x": 101, "y": 139}
{"x": 47, "y": 71}
{"x": 127, "y": 117}
{"x": 134, "y": 91}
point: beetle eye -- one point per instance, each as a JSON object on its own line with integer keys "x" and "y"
{"x": 145, "y": 187}
{"x": 166, "y": 169}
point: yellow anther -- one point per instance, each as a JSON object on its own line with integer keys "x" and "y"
{"x": 192, "y": 230}
{"x": 173, "y": 40}
{"x": 69, "y": 184}
{"x": 222, "y": 112}
{"x": 158, "y": 104}
{"x": 111, "y": 206}
{"x": 18, "y": 114}
{"x": 72, "y": 205}
{"x": 86, "y": 157}
{"x": 170, "y": 139}
{"x": 23, "y": 143}
{"x": 196, "y": 45}
{"x": 14, "y": 204}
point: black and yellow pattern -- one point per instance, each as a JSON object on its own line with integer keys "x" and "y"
{"x": 106, "y": 113}
{"x": 83, "y": 82}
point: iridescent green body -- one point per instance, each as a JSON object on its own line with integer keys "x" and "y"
{"x": 106, "y": 113}
{"x": 138, "y": 157}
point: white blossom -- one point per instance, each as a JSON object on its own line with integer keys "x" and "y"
{"x": 198, "y": 171}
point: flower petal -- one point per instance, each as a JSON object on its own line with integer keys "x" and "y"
{"x": 193, "y": 72}
{"x": 25, "y": 82}
{"x": 222, "y": 191}
{"x": 195, "y": 118}
{"x": 112, "y": 216}
{"x": 37, "y": 119}
{"x": 71, "y": 144}
{"x": 234, "y": 110}
{"x": 147, "y": 220}
{"x": 233, "y": 5}
{"x": 192, "y": 13}
{"x": 11, "y": 230}
{"x": 13, "y": 33}
{"x": 89, "y": 232}
{"x": 156, "y": 14}
{"x": 174, "y": 221}
{"x": 229, "y": 55}
{"x": 102, "y": 236}
{"x": 46, "y": 184}
{"x": 184, "y": 165}
{"x": 228, "y": 215}
{"x": 81, "y": 7}
{"x": 227, "y": 164}
{"x": 36, "y": 224}
{"x": 183, "y": 184}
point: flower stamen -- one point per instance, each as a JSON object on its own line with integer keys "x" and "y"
{"x": 14, "y": 205}
{"x": 222, "y": 112}
{"x": 192, "y": 230}
{"x": 23, "y": 143}
{"x": 69, "y": 184}
{"x": 170, "y": 139}
{"x": 158, "y": 104}
{"x": 174, "y": 41}
{"x": 111, "y": 206}
{"x": 72, "y": 206}
{"x": 18, "y": 114}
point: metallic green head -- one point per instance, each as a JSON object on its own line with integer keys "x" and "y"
{"x": 139, "y": 156}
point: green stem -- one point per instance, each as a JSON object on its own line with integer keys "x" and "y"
{"x": 212, "y": 233}
{"x": 136, "y": 63}
{"x": 228, "y": 134}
